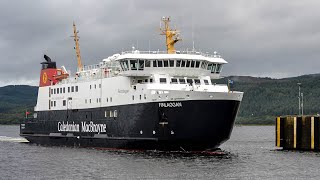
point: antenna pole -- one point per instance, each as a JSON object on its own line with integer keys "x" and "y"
{"x": 172, "y": 36}
{"x": 76, "y": 40}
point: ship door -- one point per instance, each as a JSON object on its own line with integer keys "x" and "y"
{"x": 69, "y": 102}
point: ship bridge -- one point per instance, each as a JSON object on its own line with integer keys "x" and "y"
{"x": 182, "y": 63}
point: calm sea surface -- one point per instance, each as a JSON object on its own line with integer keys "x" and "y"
{"x": 250, "y": 155}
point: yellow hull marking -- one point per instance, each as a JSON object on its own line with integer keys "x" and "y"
{"x": 295, "y": 132}
{"x": 278, "y": 131}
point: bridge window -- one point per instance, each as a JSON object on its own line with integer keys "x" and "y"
{"x": 197, "y": 64}
{"x": 197, "y": 81}
{"x": 141, "y": 64}
{"x": 147, "y": 63}
{"x": 206, "y": 82}
{"x": 182, "y": 81}
{"x": 183, "y": 63}
{"x": 64, "y": 90}
{"x": 154, "y": 63}
{"x": 160, "y": 64}
{"x": 171, "y": 63}
{"x": 165, "y": 63}
{"x": 192, "y": 63}
{"x": 213, "y": 68}
{"x": 178, "y": 63}
{"x": 133, "y": 64}
{"x": 77, "y": 89}
{"x": 189, "y": 81}
{"x": 188, "y": 63}
{"x": 209, "y": 66}
{"x": 163, "y": 80}
{"x": 72, "y": 89}
{"x": 124, "y": 65}
{"x": 57, "y": 90}
{"x": 218, "y": 69}
{"x": 204, "y": 64}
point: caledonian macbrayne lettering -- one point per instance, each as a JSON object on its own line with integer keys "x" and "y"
{"x": 171, "y": 104}
{"x": 85, "y": 127}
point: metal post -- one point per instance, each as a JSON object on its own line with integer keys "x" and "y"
{"x": 299, "y": 84}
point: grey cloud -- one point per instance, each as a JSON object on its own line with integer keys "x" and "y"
{"x": 259, "y": 38}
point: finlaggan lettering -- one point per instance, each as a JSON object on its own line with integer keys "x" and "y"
{"x": 171, "y": 104}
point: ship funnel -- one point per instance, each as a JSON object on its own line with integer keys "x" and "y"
{"x": 47, "y": 58}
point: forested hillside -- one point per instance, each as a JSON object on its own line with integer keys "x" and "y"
{"x": 14, "y": 101}
{"x": 264, "y": 98}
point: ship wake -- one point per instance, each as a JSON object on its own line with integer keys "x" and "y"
{"x": 12, "y": 139}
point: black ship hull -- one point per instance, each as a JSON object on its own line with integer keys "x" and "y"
{"x": 186, "y": 125}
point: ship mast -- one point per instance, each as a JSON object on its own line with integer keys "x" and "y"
{"x": 76, "y": 40}
{"x": 172, "y": 36}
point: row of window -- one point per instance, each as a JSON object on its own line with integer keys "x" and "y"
{"x": 139, "y": 64}
{"x": 111, "y": 113}
{"x": 140, "y": 96}
{"x": 184, "y": 81}
{"x": 62, "y": 90}
{"x": 95, "y": 86}
{"x": 98, "y": 100}
{"x": 54, "y": 103}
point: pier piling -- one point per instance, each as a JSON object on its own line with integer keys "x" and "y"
{"x": 298, "y": 132}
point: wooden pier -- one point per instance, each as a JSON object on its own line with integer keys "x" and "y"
{"x": 298, "y": 132}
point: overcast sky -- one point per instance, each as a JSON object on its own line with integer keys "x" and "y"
{"x": 268, "y": 38}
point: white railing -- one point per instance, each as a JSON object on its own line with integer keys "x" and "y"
{"x": 89, "y": 67}
{"x": 177, "y": 52}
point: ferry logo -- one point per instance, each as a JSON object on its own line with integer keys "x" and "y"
{"x": 44, "y": 77}
{"x": 171, "y": 104}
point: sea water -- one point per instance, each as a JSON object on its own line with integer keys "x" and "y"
{"x": 249, "y": 154}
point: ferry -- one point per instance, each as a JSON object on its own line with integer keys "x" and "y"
{"x": 148, "y": 100}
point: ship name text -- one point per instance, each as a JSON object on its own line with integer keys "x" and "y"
{"x": 85, "y": 127}
{"x": 171, "y": 104}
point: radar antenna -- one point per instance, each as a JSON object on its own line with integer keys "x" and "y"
{"x": 172, "y": 36}
{"x": 76, "y": 40}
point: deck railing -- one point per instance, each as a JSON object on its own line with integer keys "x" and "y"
{"x": 177, "y": 52}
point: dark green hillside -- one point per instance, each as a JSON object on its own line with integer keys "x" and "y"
{"x": 14, "y": 101}
{"x": 264, "y": 98}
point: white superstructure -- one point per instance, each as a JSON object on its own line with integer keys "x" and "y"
{"x": 139, "y": 77}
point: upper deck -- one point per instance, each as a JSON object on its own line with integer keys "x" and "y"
{"x": 181, "y": 63}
